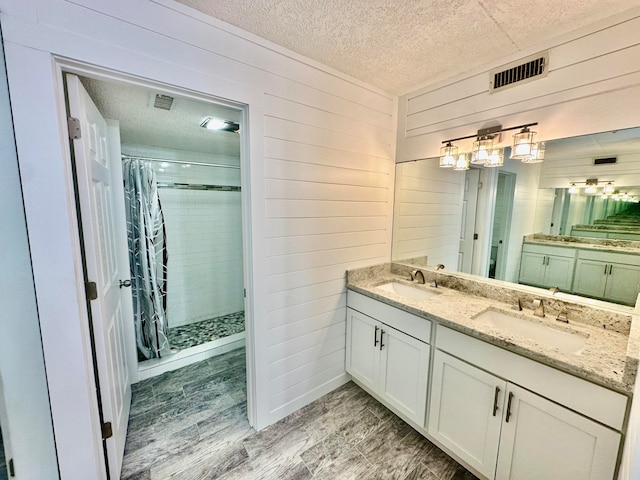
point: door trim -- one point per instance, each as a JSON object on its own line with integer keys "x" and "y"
{"x": 64, "y": 65}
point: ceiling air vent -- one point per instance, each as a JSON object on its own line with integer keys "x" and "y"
{"x": 519, "y": 72}
{"x": 163, "y": 101}
{"x": 604, "y": 161}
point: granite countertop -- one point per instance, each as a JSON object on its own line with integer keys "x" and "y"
{"x": 610, "y": 354}
{"x": 585, "y": 243}
{"x": 609, "y": 227}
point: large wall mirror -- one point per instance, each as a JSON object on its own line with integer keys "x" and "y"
{"x": 480, "y": 221}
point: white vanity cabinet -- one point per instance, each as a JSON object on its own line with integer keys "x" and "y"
{"x": 388, "y": 354}
{"x": 610, "y": 276}
{"x": 547, "y": 266}
{"x": 480, "y": 411}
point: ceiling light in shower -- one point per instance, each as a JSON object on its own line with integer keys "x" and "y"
{"x": 213, "y": 123}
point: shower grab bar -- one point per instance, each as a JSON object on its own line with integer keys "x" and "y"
{"x": 182, "y": 162}
{"x": 197, "y": 186}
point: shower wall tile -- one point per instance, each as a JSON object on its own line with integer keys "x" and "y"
{"x": 204, "y": 238}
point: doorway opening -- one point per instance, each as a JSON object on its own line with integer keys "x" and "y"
{"x": 162, "y": 218}
{"x": 501, "y": 225}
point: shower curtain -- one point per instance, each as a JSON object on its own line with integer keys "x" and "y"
{"x": 147, "y": 257}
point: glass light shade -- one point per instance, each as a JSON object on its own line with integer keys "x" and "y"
{"x": 573, "y": 189}
{"x": 604, "y": 196}
{"x": 462, "y": 163}
{"x": 590, "y": 189}
{"x": 448, "y": 155}
{"x": 522, "y": 144}
{"x": 537, "y": 153}
{"x": 496, "y": 158}
{"x": 481, "y": 150}
{"x": 608, "y": 188}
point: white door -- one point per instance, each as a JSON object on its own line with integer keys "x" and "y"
{"x": 468, "y": 223}
{"x": 362, "y": 348}
{"x": 404, "y": 371}
{"x": 466, "y": 410}
{"x": 97, "y": 168}
{"x": 544, "y": 440}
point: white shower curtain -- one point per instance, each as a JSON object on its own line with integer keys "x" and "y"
{"x": 147, "y": 257}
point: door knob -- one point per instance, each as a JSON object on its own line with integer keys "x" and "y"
{"x": 125, "y": 283}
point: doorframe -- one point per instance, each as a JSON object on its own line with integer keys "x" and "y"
{"x": 510, "y": 179}
{"x": 62, "y": 66}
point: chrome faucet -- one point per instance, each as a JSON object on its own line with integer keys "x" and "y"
{"x": 517, "y": 305}
{"x": 538, "y": 308}
{"x": 554, "y": 290}
{"x": 418, "y": 276}
{"x": 434, "y": 284}
{"x": 439, "y": 267}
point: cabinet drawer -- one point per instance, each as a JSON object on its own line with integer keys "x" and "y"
{"x": 609, "y": 257}
{"x": 417, "y": 327}
{"x": 594, "y": 401}
{"x": 549, "y": 250}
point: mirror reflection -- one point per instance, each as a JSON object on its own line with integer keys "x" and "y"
{"x": 570, "y": 223}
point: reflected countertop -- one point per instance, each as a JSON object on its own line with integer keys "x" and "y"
{"x": 610, "y": 354}
{"x": 585, "y": 243}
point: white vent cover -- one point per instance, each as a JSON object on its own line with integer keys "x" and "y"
{"x": 163, "y": 101}
{"x": 519, "y": 72}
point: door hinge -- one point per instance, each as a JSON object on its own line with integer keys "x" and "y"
{"x": 92, "y": 290}
{"x": 479, "y": 185}
{"x": 475, "y": 236}
{"x": 12, "y": 468}
{"x": 107, "y": 430}
{"x": 74, "y": 128}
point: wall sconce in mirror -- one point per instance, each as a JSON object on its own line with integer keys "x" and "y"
{"x": 591, "y": 187}
{"x": 487, "y": 153}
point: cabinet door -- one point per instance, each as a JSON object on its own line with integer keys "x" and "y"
{"x": 544, "y": 440}
{"x": 590, "y": 278}
{"x": 362, "y": 354}
{"x": 465, "y": 411}
{"x": 404, "y": 371}
{"x": 623, "y": 283}
{"x": 559, "y": 272}
{"x": 532, "y": 267}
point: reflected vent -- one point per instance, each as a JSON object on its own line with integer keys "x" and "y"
{"x": 163, "y": 101}
{"x": 522, "y": 71}
{"x": 604, "y": 161}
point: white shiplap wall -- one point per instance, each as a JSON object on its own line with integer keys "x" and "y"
{"x": 319, "y": 188}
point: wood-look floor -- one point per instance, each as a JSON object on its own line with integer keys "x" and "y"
{"x": 191, "y": 424}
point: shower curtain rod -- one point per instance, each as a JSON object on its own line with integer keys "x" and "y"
{"x": 198, "y": 186}
{"x": 152, "y": 159}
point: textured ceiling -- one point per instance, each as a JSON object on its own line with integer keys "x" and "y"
{"x": 398, "y": 45}
{"x": 179, "y": 128}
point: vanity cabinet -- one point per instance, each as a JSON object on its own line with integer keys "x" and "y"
{"x": 480, "y": 411}
{"x": 547, "y": 266}
{"x": 388, "y": 354}
{"x": 614, "y": 277}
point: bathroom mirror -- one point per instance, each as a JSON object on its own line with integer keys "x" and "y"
{"x": 474, "y": 221}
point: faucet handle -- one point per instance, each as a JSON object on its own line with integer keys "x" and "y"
{"x": 517, "y": 305}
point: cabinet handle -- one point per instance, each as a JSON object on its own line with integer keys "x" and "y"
{"x": 508, "y": 415}
{"x": 495, "y": 401}
{"x": 375, "y": 336}
{"x": 610, "y": 269}
{"x": 381, "y": 334}
{"x": 606, "y": 267}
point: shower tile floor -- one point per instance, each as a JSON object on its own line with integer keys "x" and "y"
{"x": 186, "y": 336}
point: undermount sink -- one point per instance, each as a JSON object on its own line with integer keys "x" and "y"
{"x": 407, "y": 291}
{"x": 564, "y": 341}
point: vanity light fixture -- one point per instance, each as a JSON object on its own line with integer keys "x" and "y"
{"x": 485, "y": 151}
{"x": 448, "y": 155}
{"x": 496, "y": 158}
{"x": 462, "y": 163}
{"x": 591, "y": 187}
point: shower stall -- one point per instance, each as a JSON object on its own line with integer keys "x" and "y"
{"x": 187, "y": 272}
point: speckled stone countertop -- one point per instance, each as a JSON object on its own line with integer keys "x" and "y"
{"x": 609, "y": 227}
{"x": 610, "y": 354}
{"x": 585, "y": 243}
